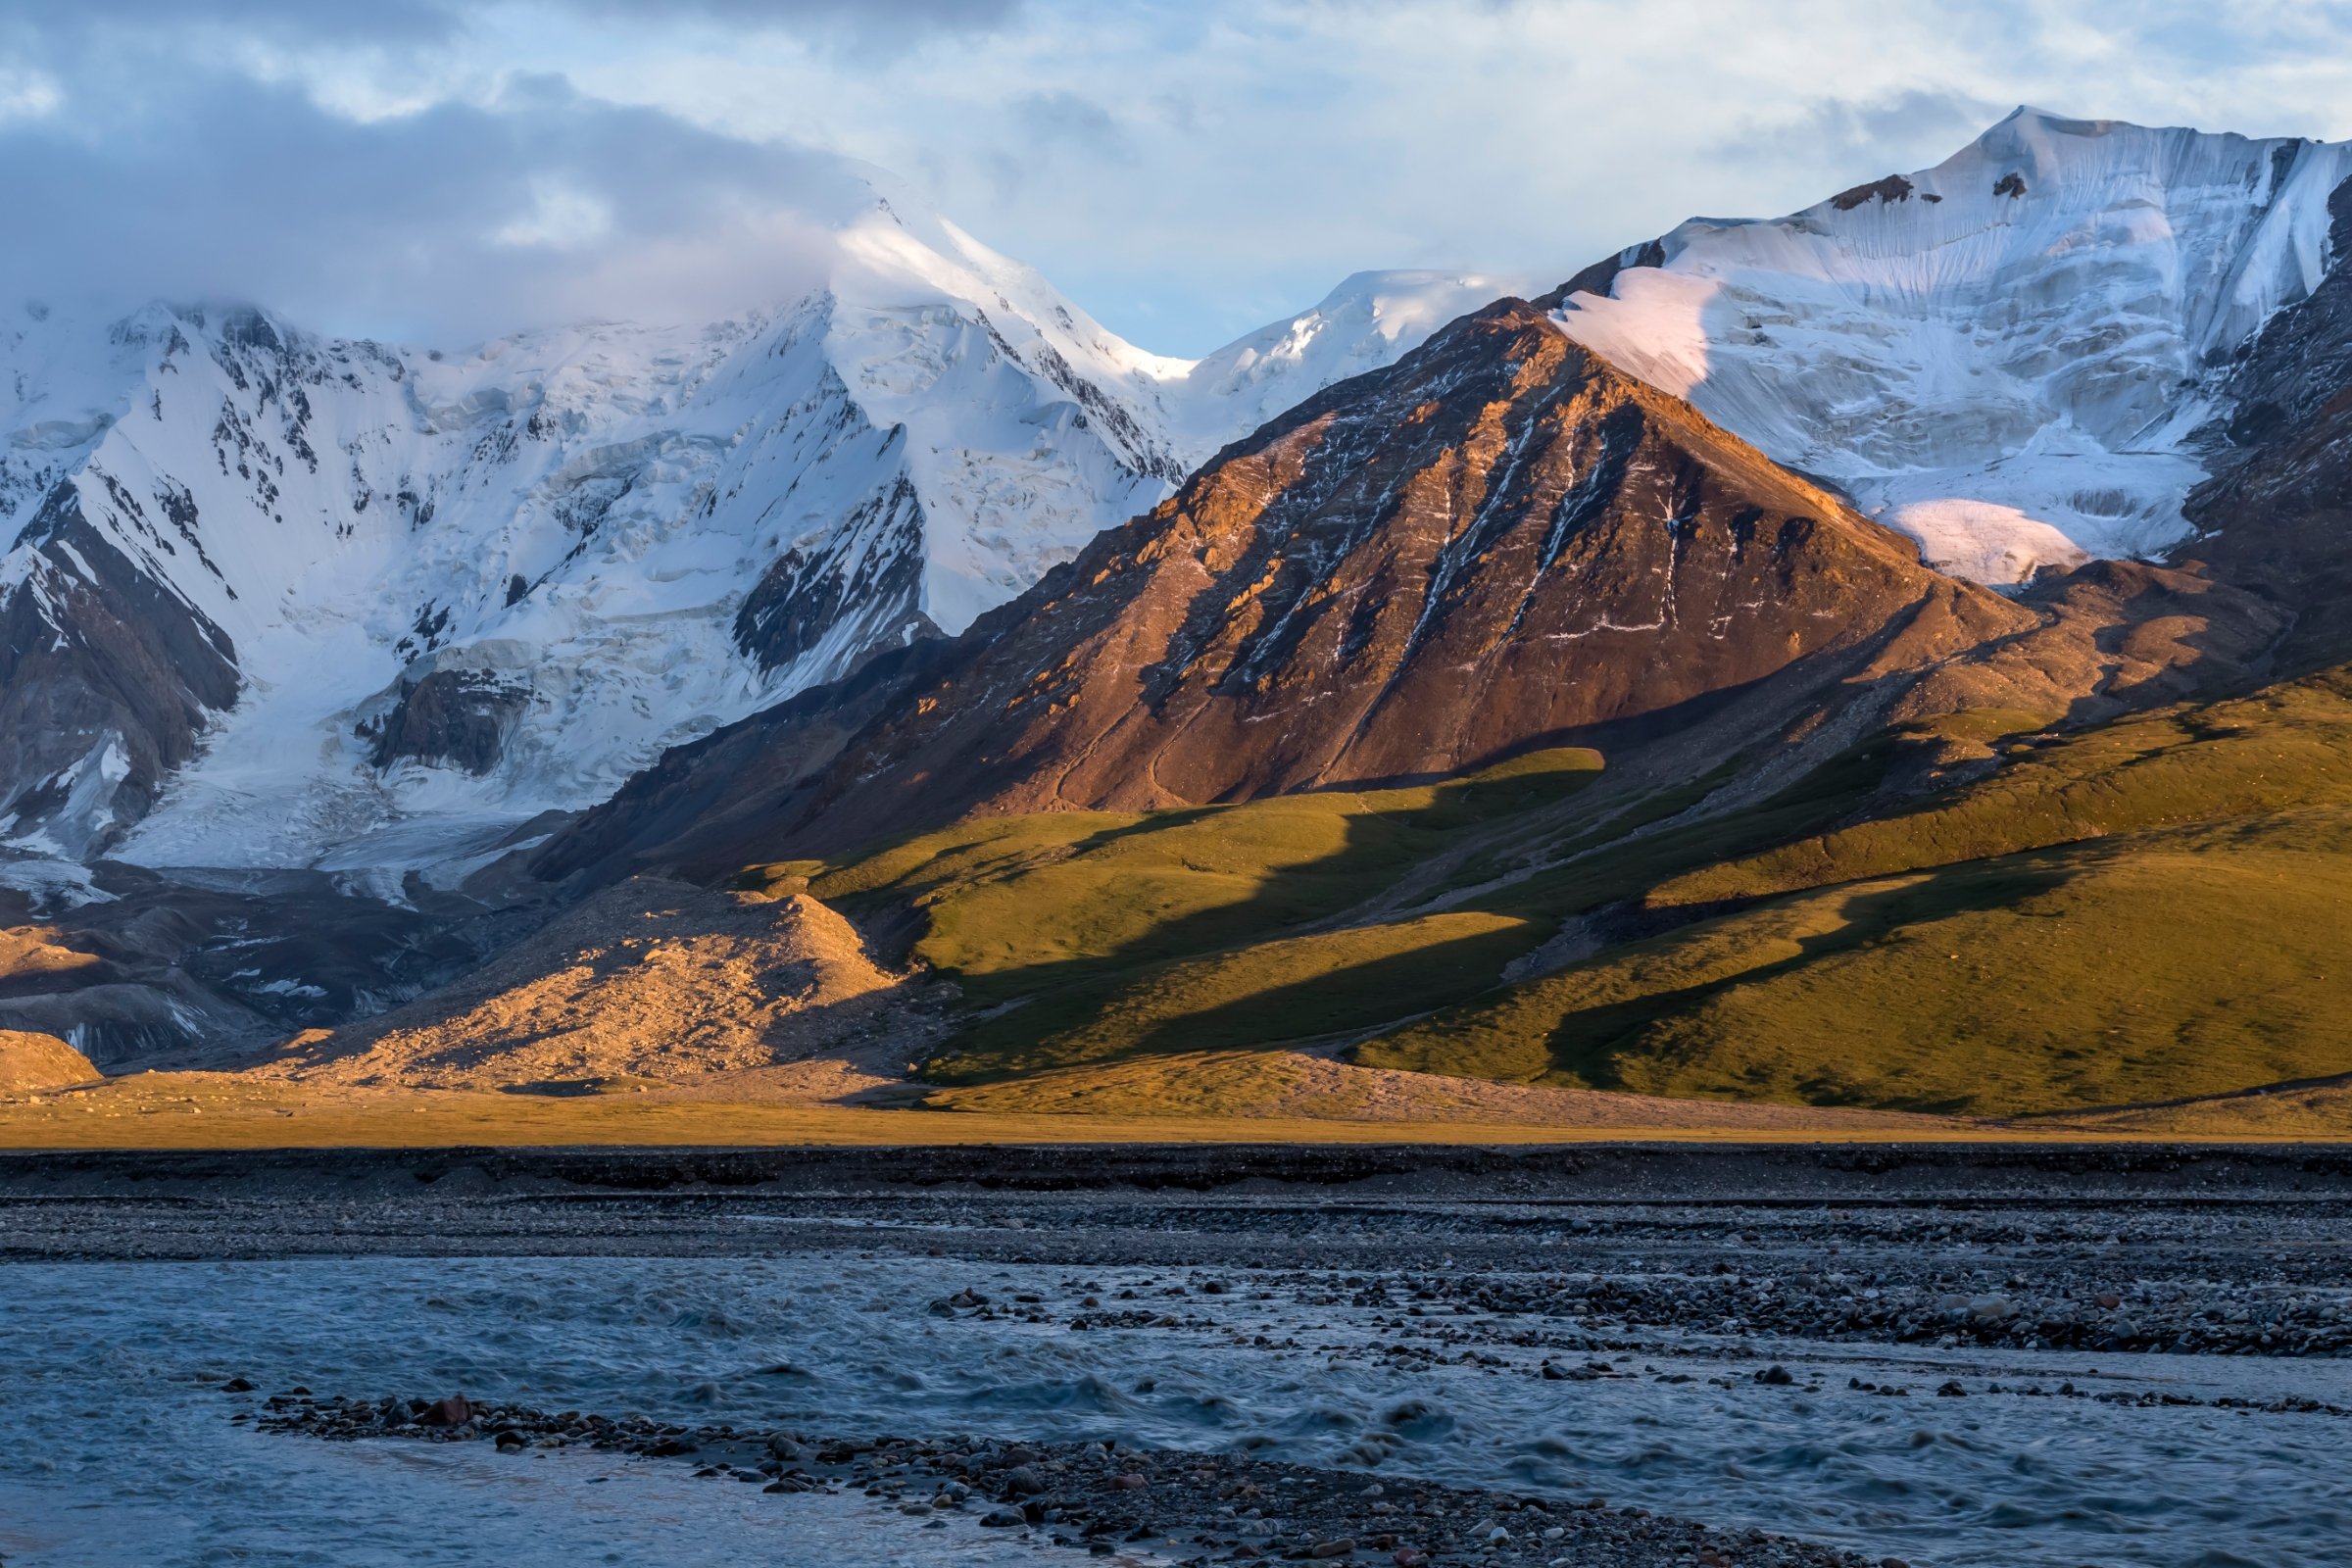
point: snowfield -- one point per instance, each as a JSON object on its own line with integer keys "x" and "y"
{"x": 2005, "y": 356}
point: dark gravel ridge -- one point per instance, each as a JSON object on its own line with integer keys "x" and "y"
{"x": 1946, "y": 1304}
{"x": 1687, "y": 1171}
{"x": 2123, "y": 1250}
{"x": 1195, "y": 1508}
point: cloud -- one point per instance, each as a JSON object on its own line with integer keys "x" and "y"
{"x": 27, "y": 94}
{"x": 408, "y": 24}
{"x": 870, "y": 16}
{"x": 561, "y": 218}
{"x": 1071, "y": 121}
{"x": 1843, "y": 132}
{"x": 454, "y": 223}
{"x": 1186, "y": 169}
{"x": 378, "y": 21}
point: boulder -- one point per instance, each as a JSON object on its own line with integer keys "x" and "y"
{"x": 453, "y": 1411}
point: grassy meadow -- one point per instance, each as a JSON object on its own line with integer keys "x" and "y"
{"x": 2150, "y": 909}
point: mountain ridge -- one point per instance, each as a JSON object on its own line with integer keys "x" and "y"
{"x": 1388, "y": 613}
{"x": 580, "y": 542}
{"x": 1495, "y": 493}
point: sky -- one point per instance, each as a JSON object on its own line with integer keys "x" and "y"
{"x": 442, "y": 170}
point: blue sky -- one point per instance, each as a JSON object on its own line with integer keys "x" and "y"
{"x": 440, "y": 171}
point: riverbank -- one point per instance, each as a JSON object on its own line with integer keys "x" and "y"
{"x": 1106, "y": 1497}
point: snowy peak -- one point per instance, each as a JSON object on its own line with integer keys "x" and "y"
{"x": 1366, "y": 323}
{"x": 1501, "y": 543}
{"x": 2005, "y": 355}
{"x": 277, "y": 599}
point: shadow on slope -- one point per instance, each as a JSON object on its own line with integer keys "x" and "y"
{"x": 2151, "y": 910}
{"x": 1076, "y": 936}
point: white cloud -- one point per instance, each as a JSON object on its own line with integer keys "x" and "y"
{"x": 27, "y": 94}
{"x": 1264, "y": 148}
{"x": 1185, "y": 167}
{"x": 561, "y": 218}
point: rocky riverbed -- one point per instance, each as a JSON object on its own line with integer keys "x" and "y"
{"x": 1194, "y": 1508}
{"x": 1943, "y": 1357}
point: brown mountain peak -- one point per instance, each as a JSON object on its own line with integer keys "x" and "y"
{"x": 1498, "y": 542}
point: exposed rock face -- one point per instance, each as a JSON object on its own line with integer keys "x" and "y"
{"x": 2278, "y": 514}
{"x": 1503, "y": 543}
{"x": 107, "y": 678}
{"x": 1601, "y": 275}
{"x": 1498, "y": 543}
{"x": 199, "y": 969}
{"x": 30, "y": 1062}
{"x": 801, "y": 599}
{"x": 1892, "y": 188}
{"x": 456, "y": 717}
{"x": 2302, "y": 360}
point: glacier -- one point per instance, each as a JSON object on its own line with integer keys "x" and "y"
{"x": 2013, "y": 357}
{"x": 451, "y": 594}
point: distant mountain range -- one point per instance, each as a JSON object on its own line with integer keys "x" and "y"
{"x": 340, "y": 669}
{"x": 278, "y": 600}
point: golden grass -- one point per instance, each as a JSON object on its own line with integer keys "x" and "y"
{"x": 210, "y": 1111}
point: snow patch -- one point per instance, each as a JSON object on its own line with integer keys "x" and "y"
{"x": 55, "y": 885}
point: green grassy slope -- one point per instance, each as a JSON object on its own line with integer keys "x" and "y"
{"x": 1080, "y": 935}
{"x": 2143, "y": 910}
{"x": 2158, "y": 907}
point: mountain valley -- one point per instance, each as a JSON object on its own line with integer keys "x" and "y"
{"x": 1782, "y": 665}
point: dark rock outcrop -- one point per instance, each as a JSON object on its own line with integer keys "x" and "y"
{"x": 1893, "y": 188}
{"x": 107, "y": 679}
{"x": 809, "y": 597}
{"x": 1601, "y": 277}
{"x": 2277, "y": 514}
{"x": 454, "y": 717}
{"x": 200, "y": 968}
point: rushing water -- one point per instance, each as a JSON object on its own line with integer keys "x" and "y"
{"x": 119, "y": 1447}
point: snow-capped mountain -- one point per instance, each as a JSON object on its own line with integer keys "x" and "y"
{"x": 1371, "y": 320}
{"x": 2010, "y": 356}
{"x": 282, "y": 600}
{"x": 273, "y": 599}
